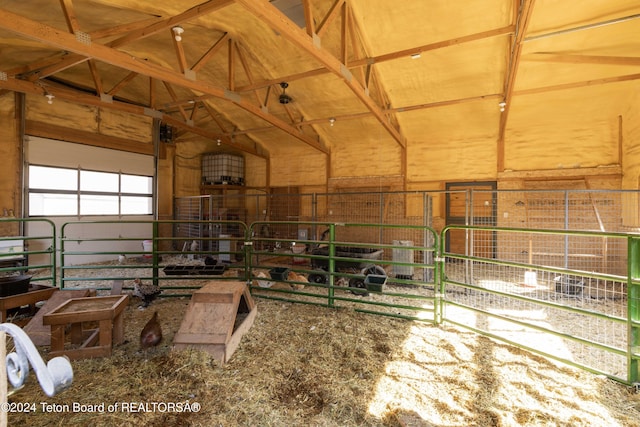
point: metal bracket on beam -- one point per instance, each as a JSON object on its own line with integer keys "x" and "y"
{"x": 152, "y": 113}
{"x": 232, "y": 96}
{"x": 83, "y": 37}
{"x": 317, "y": 42}
{"x": 346, "y": 73}
{"x": 105, "y": 97}
{"x": 190, "y": 74}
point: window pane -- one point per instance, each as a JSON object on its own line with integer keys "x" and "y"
{"x": 52, "y": 204}
{"x": 98, "y": 205}
{"x": 53, "y": 178}
{"x": 98, "y": 181}
{"x": 136, "y": 205}
{"x": 137, "y": 184}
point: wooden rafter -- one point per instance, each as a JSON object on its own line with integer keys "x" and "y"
{"x": 344, "y": 54}
{"x": 172, "y": 94}
{"x": 126, "y": 28}
{"x": 152, "y": 92}
{"x": 54, "y": 37}
{"x": 247, "y": 72}
{"x": 273, "y": 17}
{"x": 330, "y": 16}
{"x": 73, "y": 26}
{"x": 522, "y": 21}
{"x": 582, "y": 59}
{"x": 575, "y": 85}
{"x": 209, "y": 54}
{"x": 231, "y": 65}
{"x": 308, "y": 17}
{"x": 177, "y": 45}
{"x": 122, "y": 83}
{"x": 196, "y": 11}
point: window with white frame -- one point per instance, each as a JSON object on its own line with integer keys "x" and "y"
{"x": 58, "y": 191}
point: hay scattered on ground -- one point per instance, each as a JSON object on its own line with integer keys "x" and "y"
{"x": 312, "y": 366}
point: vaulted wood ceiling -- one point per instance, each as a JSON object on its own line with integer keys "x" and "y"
{"x": 372, "y": 70}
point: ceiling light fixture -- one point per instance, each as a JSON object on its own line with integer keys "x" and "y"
{"x": 284, "y": 98}
{"x": 416, "y": 55}
{"x": 502, "y": 106}
{"x": 332, "y": 120}
{"x": 49, "y": 98}
{"x": 218, "y": 142}
{"x": 177, "y": 32}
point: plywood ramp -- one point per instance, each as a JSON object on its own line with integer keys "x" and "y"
{"x": 218, "y": 315}
{"x": 40, "y": 333}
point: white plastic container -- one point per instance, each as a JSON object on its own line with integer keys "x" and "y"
{"x": 147, "y": 246}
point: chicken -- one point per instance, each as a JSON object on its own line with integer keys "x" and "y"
{"x": 151, "y": 334}
{"x": 295, "y": 277}
{"x": 146, "y": 292}
{"x": 262, "y": 283}
{"x": 342, "y": 281}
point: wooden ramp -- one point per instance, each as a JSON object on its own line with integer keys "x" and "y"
{"x": 218, "y": 315}
{"x": 40, "y": 333}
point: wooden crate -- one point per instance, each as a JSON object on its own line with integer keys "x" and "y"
{"x": 74, "y": 315}
{"x": 218, "y": 315}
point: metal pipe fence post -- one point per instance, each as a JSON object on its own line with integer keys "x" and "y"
{"x": 633, "y": 309}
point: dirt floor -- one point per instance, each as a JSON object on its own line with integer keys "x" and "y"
{"x": 303, "y": 365}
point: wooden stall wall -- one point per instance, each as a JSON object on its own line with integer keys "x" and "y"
{"x": 10, "y": 147}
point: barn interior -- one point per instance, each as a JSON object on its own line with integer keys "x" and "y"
{"x": 500, "y": 138}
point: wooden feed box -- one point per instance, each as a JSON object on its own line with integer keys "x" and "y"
{"x": 218, "y": 315}
{"x": 36, "y": 293}
{"x": 106, "y": 312}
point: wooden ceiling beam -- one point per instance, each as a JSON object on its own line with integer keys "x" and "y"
{"x": 278, "y": 21}
{"x": 388, "y": 57}
{"x": 65, "y": 41}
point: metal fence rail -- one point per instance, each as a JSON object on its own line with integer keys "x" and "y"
{"x": 365, "y": 267}
{"x": 32, "y": 243}
{"x": 583, "y": 314}
{"x": 88, "y": 248}
{"x": 576, "y": 316}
